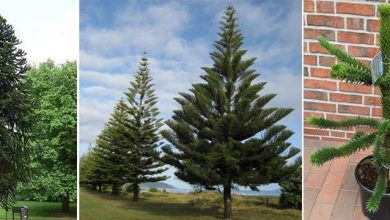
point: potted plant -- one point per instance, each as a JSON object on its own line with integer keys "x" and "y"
{"x": 372, "y": 173}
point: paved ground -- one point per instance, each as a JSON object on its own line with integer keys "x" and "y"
{"x": 331, "y": 191}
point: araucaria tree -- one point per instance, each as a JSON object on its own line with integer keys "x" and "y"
{"x": 126, "y": 151}
{"x": 143, "y": 157}
{"x": 354, "y": 71}
{"x": 223, "y": 135}
{"x": 14, "y": 104}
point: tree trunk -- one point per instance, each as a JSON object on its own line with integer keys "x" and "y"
{"x": 136, "y": 192}
{"x": 227, "y": 201}
{"x": 115, "y": 189}
{"x": 65, "y": 203}
{"x": 100, "y": 187}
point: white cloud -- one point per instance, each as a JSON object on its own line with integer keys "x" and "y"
{"x": 47, "y": 29}
{"x": 140, "y": 29}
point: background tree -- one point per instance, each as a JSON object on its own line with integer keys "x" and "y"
{"x": 54, "y": 96}
{"x": 291, "y": 196}
{"x": 223, "y": 135}
{"x": 354, "y": 71}
{"x": 143, "y": 159}
{"x": 126, "y": 151}
{"x": 14, "y": 104}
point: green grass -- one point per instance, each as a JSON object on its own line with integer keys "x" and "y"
{"x": 173, "y": 206}
{"x": 43, "y": 211}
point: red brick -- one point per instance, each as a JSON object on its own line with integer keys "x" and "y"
{"x": 316, "y": 95}
{"x": 316, "y": 132}
{"x": 372, "y": 25}
{"x": 337, "y": 134}
{"x": 305, "y": 71}
{"x": 325, "y": 6}
{"x": 355, "y": 9}
{"x": 333, "y": 139}
{"x": 377, "y": 112}
{"x": 357, "y": 38}
{"x": 319, "y": 106}
{"x": 364, "y": 129}
{"x": 377, "y": 91}
{"x": 327, "y": 61}
{"x": 358, "y": 110}
{"x": 372, "y": 100}
{"x": 315, "y": 114}
{"x": 319, "y": 72}
{"x": 315, "y": 33}
{"x": 311, "y": 138}
{"x": 361, "y": 51}
{"x": 338, "y": 117}
{"x": 324, "y": 20}
{"x": 355, "y": 23}
{"x": 310, "y": 60}
{"x": 319, "y": 84}
{"x": 308, "y": 6}
{"x": 347, "y": 87}
{"x": 339, "y": 97}
{"x": 317, "y": 48}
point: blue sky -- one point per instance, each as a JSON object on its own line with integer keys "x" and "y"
{"x": 178, "y": 37}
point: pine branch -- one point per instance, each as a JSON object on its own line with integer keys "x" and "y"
{"x": 380, "y": 189}
{"x": 358, "y": 143}
{"x": 350, "y": 69}
{"x": 343, "y": 124}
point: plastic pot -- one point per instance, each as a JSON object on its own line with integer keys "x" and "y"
{"x": 383, "y": 212}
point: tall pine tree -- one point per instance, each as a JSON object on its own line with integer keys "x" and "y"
{"x": 144, "y": 158}
{"x": 223, "y": 134}
{"x": 14, "y": 105}
{"x": 126, "y": 151}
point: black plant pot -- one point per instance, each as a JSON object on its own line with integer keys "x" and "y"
{"x": 383, "y": 212}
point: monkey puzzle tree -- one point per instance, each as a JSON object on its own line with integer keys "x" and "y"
{"x": 14, "y": 104}
{"x": 354, "y": 71}
{"x": 223, "y": 135}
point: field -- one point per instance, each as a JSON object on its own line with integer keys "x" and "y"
{"x": 44, "y": 211}
{"x": 174, "y": 206}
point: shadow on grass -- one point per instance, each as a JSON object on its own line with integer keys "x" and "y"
{"x": 161, "y": 208}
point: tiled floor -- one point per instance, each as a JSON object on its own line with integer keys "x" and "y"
{"x": 331, "y": 191}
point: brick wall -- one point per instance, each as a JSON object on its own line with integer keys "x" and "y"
{"x": 352, "y": 26}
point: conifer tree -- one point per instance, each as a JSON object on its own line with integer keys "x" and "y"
{"x": 112, "y": 147}
{"x": 14, "y": 105}
{"x": 291, "y": 196}
{"x": 354, "y": 71}
{"x": 126, "y": 151}
{"x": 143, "y": 159}
{"x": 223, "y": 135}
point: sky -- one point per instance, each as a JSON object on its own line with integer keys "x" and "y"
{"x": 47, "y": 28}
{"x": 178, "y": 37}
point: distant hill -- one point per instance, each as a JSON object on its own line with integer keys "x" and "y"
{"x": 159, "y": 185}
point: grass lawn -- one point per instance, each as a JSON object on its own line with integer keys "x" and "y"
{"x": 173, "y": 206}
{"x": 43, "y": 211}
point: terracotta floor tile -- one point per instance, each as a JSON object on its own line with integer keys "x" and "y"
{"x": 321, "y": 211}
{"x": 315, "y": 179}
{"x": 349, "y": 182}
{"x": 347, "y": 197}
{"x": 340, "y": 165}
{"x": 309, "y": 199}
{"x": 331, "y": 187}
{"x": 358, "y": 214}
{"x": 343, "y": 211}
